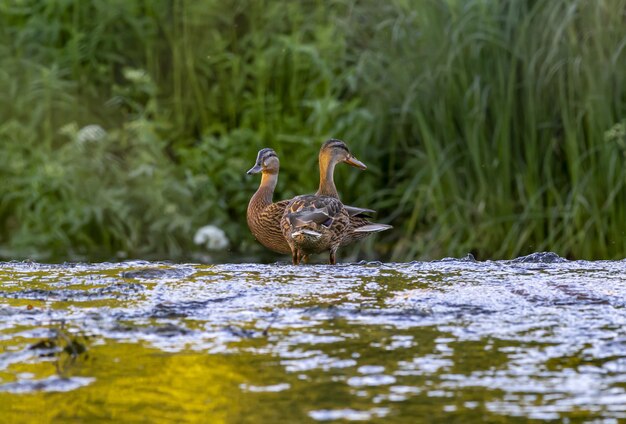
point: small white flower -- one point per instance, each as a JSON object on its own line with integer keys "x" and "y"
{"x": 90, "y": 133}
{"x": 212, "y": 237}
{"x": 138, "y": 76}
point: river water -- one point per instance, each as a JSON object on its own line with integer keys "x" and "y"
{"x": 536, "y": 338}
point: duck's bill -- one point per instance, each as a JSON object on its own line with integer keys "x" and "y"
{"x": 255, "y": 169}
{"x": 351, "y": 160}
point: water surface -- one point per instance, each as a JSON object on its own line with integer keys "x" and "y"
{"x": 538, "y": 338}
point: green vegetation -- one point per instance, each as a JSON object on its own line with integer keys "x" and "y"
{"x": 489, "y": 126}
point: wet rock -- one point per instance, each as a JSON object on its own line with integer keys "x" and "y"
{"x": 158, "y": 273}
{"x": 166, "y": 310}
{"x": 47, "y": 346}
{"x": 540, "y": 258}
{"x": 120, "y": 288}
{"x": 168, "y": 330}
{"x": 71, "y": 265}
{"x": 467, "y": 258}
{"x": 50, "y": 384}
{"x": 331, "y": 311}
{"x": 183, "y": 309}
{"x": 75, "y": 348}
{"x": 240, "y": 332}
{"x": 367, "y": 263}
{"x": 111, "y": 291}
{"x": 40, "y": 294}
{"x": 399, "y": 314}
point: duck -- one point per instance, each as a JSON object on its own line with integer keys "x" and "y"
{"x": 321, "y": 222}
{"x": 314, "y": 224}
{"x": 263, "y": 215}
{"x": 332, "y": 152}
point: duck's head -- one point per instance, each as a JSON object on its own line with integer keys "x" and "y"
{"x": 335, "y": 151}
{"x": 266, "y": 162}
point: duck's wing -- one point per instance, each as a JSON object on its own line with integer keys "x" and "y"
{"x": 313, "y": 210}
{"x": 305, "y": 218}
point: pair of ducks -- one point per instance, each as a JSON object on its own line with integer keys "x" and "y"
{"x": 312, "y": 223}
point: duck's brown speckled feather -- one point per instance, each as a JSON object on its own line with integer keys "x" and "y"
{"x": 265, "y": 226}
{"x": 331, "y": 230}
{"x": 351, "y": 236}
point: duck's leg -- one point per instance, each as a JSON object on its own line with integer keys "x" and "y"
{"x": 295, "y": 256}
{"x": 305, "y": 259}
{"x": 332, "y": 259}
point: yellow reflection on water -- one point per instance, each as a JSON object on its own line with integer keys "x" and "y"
{"x": 137, "y": 384}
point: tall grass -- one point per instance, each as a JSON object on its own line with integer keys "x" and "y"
{"x": 491, "y": 127}
{"x": 495, "y": 114}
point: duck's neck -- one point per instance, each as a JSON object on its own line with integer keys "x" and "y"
{"x": 263, "y": 196}
{"x": 327, "y": 183}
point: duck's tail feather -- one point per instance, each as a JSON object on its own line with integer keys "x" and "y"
{"x": 372, "y": 228}
{"x": 355, "y": 211}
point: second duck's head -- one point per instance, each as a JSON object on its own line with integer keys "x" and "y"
{"x": 266, "y": 162}
{"x": 335, "y": 151}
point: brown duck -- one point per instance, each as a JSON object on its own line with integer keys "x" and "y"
{"x": 359, "y": 227}
{"x": 320, "y": 222}
{"x": 264, "y": 216}
{"x": 314, "y": 224}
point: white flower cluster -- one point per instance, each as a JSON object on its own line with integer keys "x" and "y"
{"x": 212, "y": 237}
{"x": 90, "y": 133}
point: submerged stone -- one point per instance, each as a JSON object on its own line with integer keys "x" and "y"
{"x": 540, "y": 257}
{"x": 157, "y": 273}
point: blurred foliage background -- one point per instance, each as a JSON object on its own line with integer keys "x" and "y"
{"x": 492, "y": 127}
